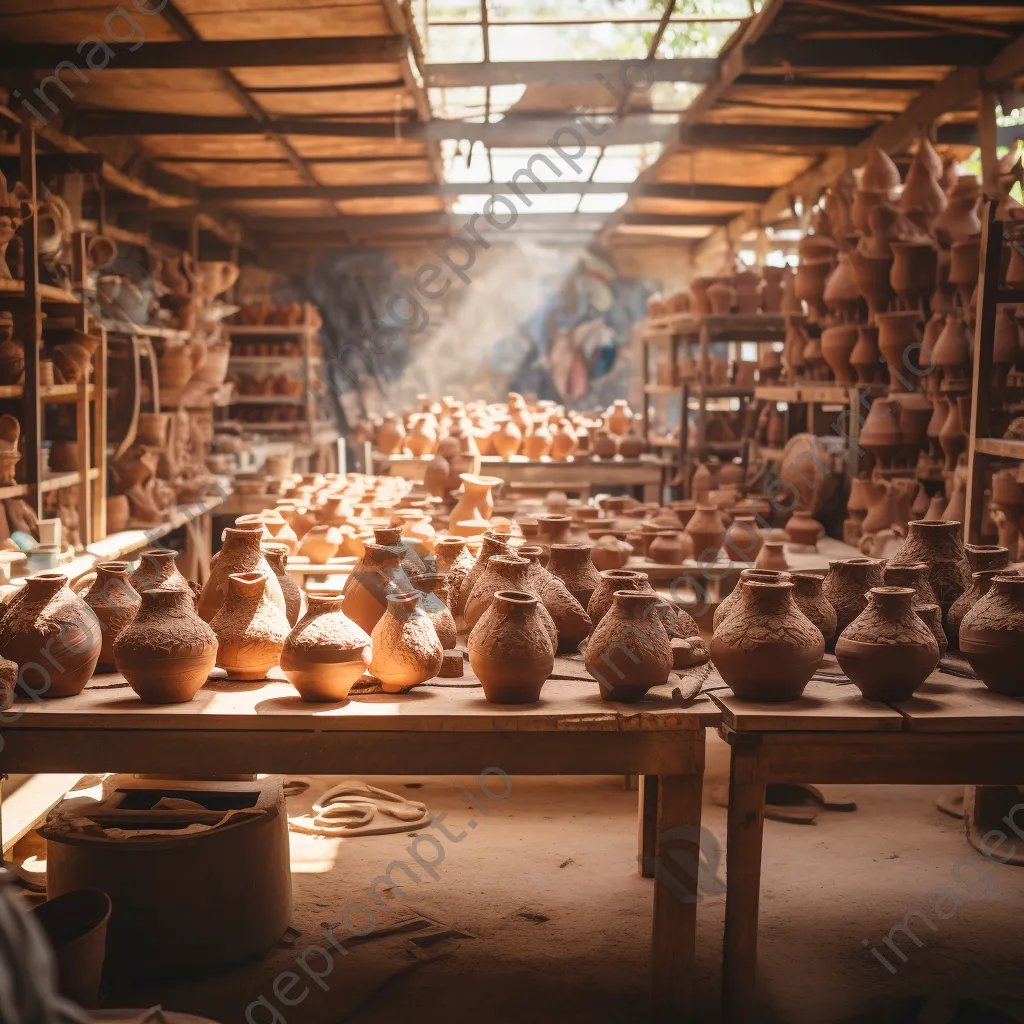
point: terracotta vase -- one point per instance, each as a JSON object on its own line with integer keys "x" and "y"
{"x": 913, "y": 575}
{"x": 537, "y": 444}
{"x": 52, "y": 635}
{"x": 743, "y": 539}
{"x": 390, "y": 435}
{"x": 613, "y": 580}
{"x": 810, "y": 598}
{"x": 320, "y": 544}
{"x": 325, "y": 652}
{"x": 866, "y": 357}
{"x": 609, "y": 552}
{"x": 476, "y": 501}
{"x": 721, "y": 297}
{"x": 377, "y": 574}
{"x": 880, "y": 433}
{"x": 453, "y": 559}
{"x": 992, "y": 635}
{"x": 803, "y": 529}
{"x": 880, "y": 514}
{"x": 772, "y": 556}
{"x": 506, "y": 439}
{"x": 837, "y": 345}
{"x": 846, "y": 587}
{"x": 240, "y": 553}
{"x": 276, "y": 555}
{"x": 707, "y": 533}
{"x": 980, "y": 582}
{"x": 669, "y": 547}
{"x": 629, "y": 650}
{"x": 604, "y": 444}
{"x": 570, "y": 619}
{"x": 433, "y": 590}
{"x": 118, "y": 513}
{"x": 619, "y": 417}
{"x": 421, "y": 437}
{"x": 952, "y": 437}
{"x": 952, "y": 351}
{"x": 114, "y": 602}
{"x": 168, "y": 651}
{"x": 510, "y": 649}
{"x": 250, "y": 627}
{"x": 406, "y": 650}
{"x": 490, "y": 544}
{"x": 914, "y": 414}
{"x": 157, "y": 568}
{"x": 553, "y": 529}
{"x": 898, "y": 334}
{"x": 564, "y": 442}
{"x": 809, "y": 286}
{"x": 767, "y": 649}
{"x": 913, "y": 271}
{"x": 871, "y": 279}
{"x": 502, "y": 572}
{"x": 887, "y": 651}
{"x": 937, "y": 543}
{"x": 572, "y": 565}
{"x": 731, "y": 599}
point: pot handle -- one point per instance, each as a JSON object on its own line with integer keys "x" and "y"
{"x": 79, "y": 583}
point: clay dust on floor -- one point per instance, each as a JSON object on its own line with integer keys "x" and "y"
{"x": 546, "y": 884}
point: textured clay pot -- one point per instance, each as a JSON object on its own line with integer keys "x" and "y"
{"x": 326, "y": 652}
{"x": 294, "y": 599}
{"x": 433, "y": 591}
{"x": 570, "y": 619}
{"x": 732, "y": 598}
{"x": 846, "y": 587}
{"x": 114, "y": 602}
{"x": 669, "y": 547}
{"x": 406, "y": 648}
{"x": 937, "y": 543}
{"x": 609, "y": 552}
{"x": 476, "y": 501}
{"x": 241, "y": 553}
{"x": 803, "y": 529}
{"x": 510, "y": 649}
{"x": 980, "y": 582}
{"x": 502, "y": 572}
{"x": 767, "y": 649}
{"x": 168, "y": 651}
{"x": 992, "y": 635}
{"x": 629, "y": 650}
{"x": 913, "y": 575}
{"x": 378, "y": 573}
{"x": 490, "y": 544}
{"x": 837, "y": 345}
{"x": 158, "y": 569}
{"x": 887, "y": 651}
{"x": 707, "y": 532}
{"x": 250, "y": 628}
{"x": 52, "y": 635}
{"x": 453, "y": 559}
{"x": 743, "y": 540}
{"x": 613, "y": 580}
{"x": 810, "y": 599}
{"x": 572, "y": 565}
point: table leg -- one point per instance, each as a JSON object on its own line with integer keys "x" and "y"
{"x": 647, "y": 830}
{"x": 747, "y": 790}
{"x": 676, "y": 864}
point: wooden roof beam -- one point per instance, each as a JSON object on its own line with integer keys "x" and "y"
{"x": 790, "y": 51}
{"x": 558, "y": 72}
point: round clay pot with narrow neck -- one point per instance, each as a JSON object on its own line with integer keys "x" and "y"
{"x": 510, "y": 649}
{"x": 158, "y": 568}
{"x": 629, "y": 650}
{"x": 571, "y": 563}
{"x": 325, "y": 652}
{"x": 981, "y": 580}
{"x": 913, "y": 575}
{"x": 767, "y": 649}
{"x": 887, "y": 651}
{"x": 250, "y": 628}
{"x": 772, "y": 556}
{"x": 294, "y": 598}
{"x": 406, "y": 649}
{"x": 937, "y": 543}
{"x": 570, "y": 619}
{"x": 491, "y": 544}
{"x": 732, "y": 598}
{"x": 452, "y": 557}
{"x": 553, "y": 529}
{"x": 433, "y": 590}
{"x": 707, "y": 533}
{"x": 992, "y": 635}
{"x": 114, "y": 602}
{"x": 502, "y": 572}
{"x": 846, "y": 587}
{"x": 241, "y": 553}
{"x": 810, "y": 598}
{"x": 52, "y": 635}
{"x": 378, "y": 573}
{"x": 168, "y": 651}
{"x": 613, "y": 580}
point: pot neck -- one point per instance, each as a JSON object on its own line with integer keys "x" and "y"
{"x": 939, "y": 535}
{"x": 277, "y": 556}
{"x": 807, "y": 584}
{"x": 45, "y": 585}
{"x": 1011, "y": 587}
{"x": 857, "y": 569}
{"x": 387, "y": 536}
{"x": 771, "y": 596}
{"x": 431, "y": 583}
{"x": 403, "y": 606}
{"x": 891, "y": 601}
{"x": 983, "y": 579}
{"x": 510, "y": 569}
{"x": 241, "y": 540}
{"x": 248, "y": 585}
{"x": 112, "y": 571}
{"x": 157, "y": 602}
{"x": 635, "y": 604}
{"x": 568, "y": 555}
{"x": 514, "y": 604}
{"x": 491, "y": 546}
{"x": 324, "y": 604}
{"x": 987, "y": 556}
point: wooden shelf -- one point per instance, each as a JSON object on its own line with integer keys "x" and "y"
{"x": 763, "y": 327}
{"x": 726, "y": 391}
{"x": 268, "y": 400}
{"x": 14, "y": 491}
{"x": 11, "y": 390}
{"x": 663, "y": 442}
{"x": 58, "y": 481}
{"x": 263, "y": 360}
{"x": 999, "y": 447}
{"x": 64, "y": 392}
{"x": 274, "y": 330}
{"x": 663, "y": 389}
{"x": 47, "y": 293}
{"x": 821, "y": 393}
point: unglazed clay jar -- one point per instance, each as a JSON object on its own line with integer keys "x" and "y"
{"x": 931, "y": 616}
{"x": 810, "y": 598}
{"x": 629, "y": 650}
{"x": 766, "y": 649}
{"x": 913, "y": 575}
{"x": 502, "y": 572}
{"x": 937, "y": 543}
{"x": 476, "y": 501}
{"x": 406, "y": 648}
{"x": 433, "y": 590}
{"x": 250, "y": 628}
{"x": 167, "y": 652}
{"x": 707, "y": 532}
{"x": 992, "y": 636}
{"x": 772, "y": 557}
{"x": 453, "y": 559}
{"x": 803, "y": 529}
{"x": 241, "y": 553}
{"x": 980, "y": 582}
{"x": 114, "y": 602}
{"x": 571, "y": 621}
{"x": 158, "y": 568}
{"x": 609, "y": 552}
{"x": 743, "y": 539}
{"x": 510, "y": 649}
{"x": 490, "y": 544}
{"x": 613, "y": 580}
{"x": 572, "y": 565}
{"x": 294, "y": 599}
{"x": 378, "y": 573}
{"x": 326, "y": 652}
{"x": 52, "y": 635}
{"x": 846, "y": 587}
{"x": 887, "y": 651}
{"x": 730, "y": 600}
{"x": 320, "y": 543}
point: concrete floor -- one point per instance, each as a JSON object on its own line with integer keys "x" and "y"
{"x": 547, "y": 886}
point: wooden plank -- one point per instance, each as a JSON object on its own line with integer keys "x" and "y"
{"x": 949, "y": 704}
{"x": 549, "y": 72}
{"x": 29, "y": 804}
{"x": 880, "y": 51}
{"x": 824, "y": 707}
{"x": 427, "y": 186}
{"x": 1000, "y": 447}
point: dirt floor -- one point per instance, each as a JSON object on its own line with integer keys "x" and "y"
{"x": 546, "y": 886}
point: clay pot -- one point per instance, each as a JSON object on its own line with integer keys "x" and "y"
{"x": 965, "y": 266}
{"x": 391, "y": 435}
{"x": 168, "y": 651}
{"x": 491, "y": 544}
{"x": 887, "y": 651}
{"x": 326, "y": 652}
{"x": 992, "y": 635}
{"x": 114, "y": 602}
{"x": 506, "y": 439}
{"x": 980, "y": 582}
{"x": 937, "y": 543}
{"x": 510, "y": 649}
{"x": 922, "y": 197}
{"x": 320, "y": 544}
{"x": 158, "y": 569}
{"x": 731, "y": 599}
{"x": 453, "y": 560}
{"x": 604, "y": 444}
{"x": 866, "y": 357}
{"x": 767, "y": 649}
{"x": 913, "y": 271}
{"x": 880, "y": 174}
{"x": 619, "y": 417}
{"x": 721, "y": 297}
{"x": 52, "y": 635}
{"x": 841, "y": 293}
{"x": 570, "y": 619}
{"x": 276, "y": 555}
{"x": 629, "y": 650}
{"x": 669, "y": 547}
{"x": 913, "y": 575}
{"x": 846, "y": 587}
{"x": 898, "y": 334}
{"x": 613, "y": 580}
{"x": 433, "y": 590}
{"x": 809, "y": 286}
{"x": 915, "y": 413}
{"x": 502, "y": 572}
{"x": 880, "y": 434}
{"x": 810, "y": 599}
{"x": 772, "y": 556}
{"x": 609, "y": 552}
{"x": 421, "y": 437}
{"x": 952, "y": 437}
{"x": 250, "y": 628}
{"x": 837, "y": 345}
{"x": 118, "y": 513}
{"x": 240, "y": 553}
{"x": 572, "y": 565}
{"x": 564, "y": 442}
{"x": 406, "y": 649}
{"x": 952, "y": 351}
{"x": 871, "y": 279}
{"x": 743, "y": 540}
{"x": 377, "y": 574}
{"x": 803, "y": 529}
{"x": 476, "y": 501}
{"x": 706, "y": 531}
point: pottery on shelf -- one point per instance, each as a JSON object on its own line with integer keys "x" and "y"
{"x": 772, "y": 556}
{"x": 629, "y": 650}
{"x": 240, "y": 553}
{"x": 992, "y": 635}
{"x": 707, "y": 533}
{"x": 743, "y": 539}
{"x": 880, "y": 433}
{"x": 898, "y": 334}
{"x": 571, "y": 563}
{"x": 937, "y": 543}
{"x": 168, "y": 651}
{"x": 294, "y": 598}
{"x": 609, "y": 552}
{"x": 114, "y": 602}
{"x": 510, "y": 649}
{"x": 669, "y": 547}
{"x": 250, "y": 628}
{"x": 846, "y": 587}
{"x": 837, "y": 344}
{"x": 476, "y": 500}
{"x": 810, "y": 598}
{"x": 803, "y": 530}
{"x": 406, "y": 649}
{"x": 52, "y": 635}
{"x": 887, "y": 651}
{"x": 767, "y": 649}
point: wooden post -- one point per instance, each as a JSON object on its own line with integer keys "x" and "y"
{"x": 987, "y": 143}
{"x": 99, "y": 436}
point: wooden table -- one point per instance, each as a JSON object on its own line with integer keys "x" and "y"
{"x": 433, "y": 730}
{"x": 954, "y": 731}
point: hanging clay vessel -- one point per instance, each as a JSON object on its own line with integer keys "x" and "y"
{"x": 510, "y": 649}
{"x": 572, "y": 565}
{"x": 880, "y": 174}
{"x": 476, "y": 501}
{"x": 629, "y": 650}
{"x": 846, "y": 587}
{"x": 378, "y": 574}
{"x": 433, "y": 590}
{"x": 952, "y": 351}
{"x": 240, "y": 553}
{"x": 250, "y": 627}
{"x": 731, "y": 599}
{"x": 52, "y": 635}
{"x": 887, "y": 651}
{"x": 871, "y": 278}
{"x": 325, "y": 652}
{"x": 866, "y": 358}
{"x": 168, "y": 651}
{"x": 938, "y": 545}
{"x": 406, "y": 650}
{"x": 767, "y": 649}
{"x": 114, "y": 602}
{"x": 276, "y": 555}
{"x": 810, "y": 599}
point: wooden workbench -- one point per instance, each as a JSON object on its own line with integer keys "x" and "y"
{"x": 954, "y": 731}
{"x": 434, "y": 730}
